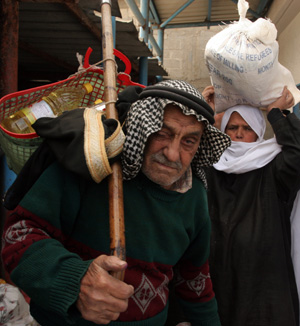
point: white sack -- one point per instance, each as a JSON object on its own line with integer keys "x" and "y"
{"x": 243, "y": 63}
{"x": 14, "y": 310}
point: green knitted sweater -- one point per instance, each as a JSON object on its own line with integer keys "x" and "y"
{"x": 62, "y": 224}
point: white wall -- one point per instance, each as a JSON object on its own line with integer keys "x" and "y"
{"x": 289, "y": 48}
{"x": 285, "y": 14}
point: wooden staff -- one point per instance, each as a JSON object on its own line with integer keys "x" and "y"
{"x": 115, "y": 181}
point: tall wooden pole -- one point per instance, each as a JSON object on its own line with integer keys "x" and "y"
{"x": 116, "y": 207}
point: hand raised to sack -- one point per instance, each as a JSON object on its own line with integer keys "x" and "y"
{"x": 285, "y": 101}
{"x": 209, "y": 96}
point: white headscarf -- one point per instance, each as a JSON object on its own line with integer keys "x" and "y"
{"x": 243, "y": 157}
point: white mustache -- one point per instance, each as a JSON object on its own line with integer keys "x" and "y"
{"x": 160, "y": 158}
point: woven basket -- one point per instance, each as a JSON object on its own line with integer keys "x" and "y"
{"x": 19, "y": 147}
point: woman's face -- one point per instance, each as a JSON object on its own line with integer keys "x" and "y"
{"x": 239, "y": 130}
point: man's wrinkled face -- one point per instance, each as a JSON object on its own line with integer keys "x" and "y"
{"x": 239, "y": 130}
{"x": 169, "y": 152}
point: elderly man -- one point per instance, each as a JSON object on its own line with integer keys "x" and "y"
{"x": 56, "y": 241}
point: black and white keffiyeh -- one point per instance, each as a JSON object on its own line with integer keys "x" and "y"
{"x": 145, "y": 117}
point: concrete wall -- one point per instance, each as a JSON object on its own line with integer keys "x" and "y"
{"x": 289, "y": 48}
{"x": 184, "y": 54}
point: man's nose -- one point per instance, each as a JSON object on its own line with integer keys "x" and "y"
{"x": 172, "y": 151}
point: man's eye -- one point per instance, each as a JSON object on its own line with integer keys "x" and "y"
{"x": 161, "y": 134}
{"x": 190, "y": 142}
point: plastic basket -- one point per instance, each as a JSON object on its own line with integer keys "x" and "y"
{"x": 19, "y": 147}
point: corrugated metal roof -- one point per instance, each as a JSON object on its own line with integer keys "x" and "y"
{"x": 207, "y": 11}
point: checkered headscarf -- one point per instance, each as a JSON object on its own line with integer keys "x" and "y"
{"x": 145, "y": 117}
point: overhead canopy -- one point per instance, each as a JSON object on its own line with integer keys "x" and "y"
{"x": 52, "y": 32}
{"x": 190, "y": 13}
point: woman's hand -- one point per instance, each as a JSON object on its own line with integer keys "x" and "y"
{"x": 285, "y": 101}
{"x": 209, "y": 96}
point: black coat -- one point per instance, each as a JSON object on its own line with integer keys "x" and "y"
{"x": 250, "y": 262}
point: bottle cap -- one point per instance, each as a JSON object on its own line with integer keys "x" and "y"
{"x": 99, "y": 105}
{"x": 88, "y": 87}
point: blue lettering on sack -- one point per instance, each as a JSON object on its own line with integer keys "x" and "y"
{"x": 222, "y": 97}
{"x": 217, "y": 72}
{"x": 234, "y": 52}
{"x": 265, "y": 68}
{"x": 217, "y": 55}
{"x": 260, "y": 56}
{"x": 233, "y": 66}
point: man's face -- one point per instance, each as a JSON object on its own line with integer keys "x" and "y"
{"x": 169, "y": 152}
{"x": 239, "y": 130}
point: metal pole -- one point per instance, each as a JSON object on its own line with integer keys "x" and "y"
{"x": 165, "y": 23}
{"x": 143, "y": 71}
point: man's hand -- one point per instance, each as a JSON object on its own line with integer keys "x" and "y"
{"x": 285, "y": 101}
{"x": 102, "y": 297}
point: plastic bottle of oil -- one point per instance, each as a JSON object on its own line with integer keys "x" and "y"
{"x": 60, "y": 100}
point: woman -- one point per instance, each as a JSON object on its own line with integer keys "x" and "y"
{"x": 250, "y": 194}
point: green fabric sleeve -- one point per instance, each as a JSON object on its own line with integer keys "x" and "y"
{"x": 207, "y": 309}
{"x": 53, "y": 282}
{"x": 47, "y": 272}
